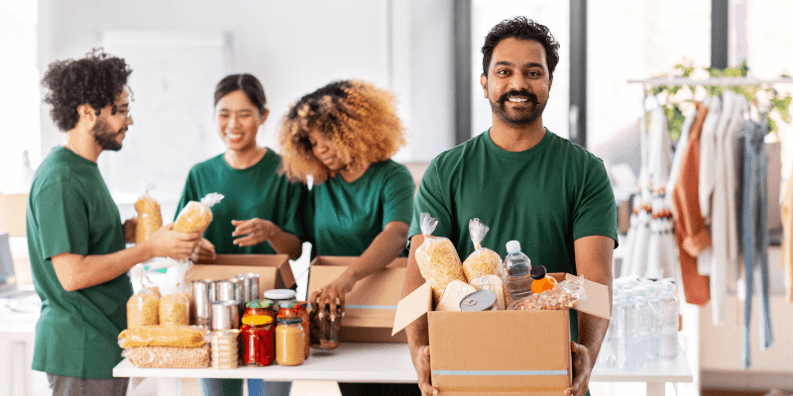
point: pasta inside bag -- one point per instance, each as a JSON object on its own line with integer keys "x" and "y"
{"x": 174, "y": 307}
{"x": 143, "y": 306}
{"x": 149, "y": 216}
{"x": 437, "y": 258}
{"x": 196, "y": 216}
{"x": 482, "y": 261}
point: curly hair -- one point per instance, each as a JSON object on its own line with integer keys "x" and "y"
{"x": 95, "y": 80}
{"x": 359, "y": 118}
{"x": 524, "y": 29}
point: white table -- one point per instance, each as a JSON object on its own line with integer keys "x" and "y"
{"x": 389, "y": 363}
{"x": 17, "y": 333}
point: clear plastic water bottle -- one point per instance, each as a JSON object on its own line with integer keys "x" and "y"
{"x": 608, "y": 352}
{"x": 645, "y": 330}
{"x": 670, "y": 324}
{"x": 628, "y": 332}
{"x": 658, "y": 315}
{"x": 517, "y": 273}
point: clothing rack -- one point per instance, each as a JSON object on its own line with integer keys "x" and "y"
{"x": 713, "y": 81}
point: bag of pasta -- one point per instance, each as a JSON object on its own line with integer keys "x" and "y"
{"x": 196, "y": 216}
{"x": 482, "y": 261}
{"x": 174, "y": 308}
{"x": 437, "y": 258}
{"x": 143, "y": 306}
{"x": 163, "y": 336}
{"x": 167, "y": 357}
{"x": 149, "y": 216}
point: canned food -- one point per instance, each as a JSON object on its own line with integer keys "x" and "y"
{"x": 482, "y": 300}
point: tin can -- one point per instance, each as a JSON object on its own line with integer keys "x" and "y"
{"x": 239, "y": 289}
{"x": 226, "y": 290}
{"x": 225, "y": 315}
{"x": 201, "y": 309}
{"x": 482, "y": 300}
{"x": 250, "y": 286}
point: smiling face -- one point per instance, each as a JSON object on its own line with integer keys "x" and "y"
{"x": 111, "y": 126}
{"x": 325, "y": 150}
{"x": 518, "y": 82}
{"x": 238, "y": 121}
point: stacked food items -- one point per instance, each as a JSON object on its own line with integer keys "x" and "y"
{"x": 483, "y": 281}
{"x": 165, "y": 346}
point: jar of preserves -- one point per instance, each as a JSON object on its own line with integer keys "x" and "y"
{"x": 289, "y": 341}
{"x": 276, "y": 295}
{"x": 325, "y": 328}
{"x": 257, "y": 340}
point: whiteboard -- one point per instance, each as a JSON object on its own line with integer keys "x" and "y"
{"x": 173, "y": 80}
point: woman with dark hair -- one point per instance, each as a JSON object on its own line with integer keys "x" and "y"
{"x": 261, "y": 210}
{"x": 343, "y": 136}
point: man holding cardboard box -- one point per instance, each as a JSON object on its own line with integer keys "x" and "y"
{"x": 75, "y": 236}
{"x": 525, "y": 183}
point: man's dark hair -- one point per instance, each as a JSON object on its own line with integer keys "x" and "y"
{"x": 246, "y": 83}
{"x": 524, "y": 29}
{"x": 95, "y": 80}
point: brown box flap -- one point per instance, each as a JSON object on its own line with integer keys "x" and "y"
{"x": 597, "y": 299}
{"x": 274, "y": 269}
{"x": 412, "y": 307}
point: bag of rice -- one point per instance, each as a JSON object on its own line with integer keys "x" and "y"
{"x": 437, "y": 258}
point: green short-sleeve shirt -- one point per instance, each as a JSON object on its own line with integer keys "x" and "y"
{"x": 70, "y": 210}
{"x": 348, "y": 216}
{"x": 255, "y": 192}
{"x": 545, "y": 197}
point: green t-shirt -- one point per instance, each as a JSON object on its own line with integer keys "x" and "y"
{"x": 70, "y": 210}
{"x": 545, "y": 198}
{"x": 255, "y": 192}
{"x": 348, "y": 216}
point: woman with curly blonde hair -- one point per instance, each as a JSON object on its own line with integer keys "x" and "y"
{"x": 343, "y": 136}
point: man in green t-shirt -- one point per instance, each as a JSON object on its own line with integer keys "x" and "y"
{"x": 75, "y": 236}
{"x": 526, "y": 184}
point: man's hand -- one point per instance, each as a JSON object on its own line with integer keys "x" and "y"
{"x": 422, "y": 364}
{"x": 333, "y": 294}
{"x": 130, "y": 230}
{"x": 204, "y": 252}
{"x": 252, "y": 232}
{"x": 166, "y": 242}
{"x": 582, "y": 367}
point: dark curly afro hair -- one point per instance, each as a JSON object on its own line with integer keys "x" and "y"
{"x": 96, "y": 80}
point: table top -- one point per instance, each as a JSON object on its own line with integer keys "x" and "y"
{"x": 378, "y": 362}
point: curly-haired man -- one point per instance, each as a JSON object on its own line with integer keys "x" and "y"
{"x": 526, "y": 183}
{"x": 75, "y": 236}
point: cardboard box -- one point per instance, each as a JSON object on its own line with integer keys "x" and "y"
{"x": 273, "y": 269}
{"x": 500, "y": 352}
{"x": 371, "y": 306}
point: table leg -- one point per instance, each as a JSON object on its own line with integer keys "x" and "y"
{"x": 169, "y": 386}
{"x": 656, "y": 388}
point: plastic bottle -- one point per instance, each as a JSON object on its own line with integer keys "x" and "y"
{"x": 657, "y": 306}
{"x": 541, "y": 281}
{"x": 670, "y": 324}
{"x": 627, "y": 332}
{"x": 645, "y": 328}
{"x": 517, "y": 273}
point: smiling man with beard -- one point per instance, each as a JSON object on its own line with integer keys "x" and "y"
{"x": 524, "y": 182}
{"x": 75, "y": 237}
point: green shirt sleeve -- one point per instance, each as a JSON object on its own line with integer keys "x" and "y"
{"x": 398, "y": 193}
{"x": 595, "y": 212}
{"x": 430, "y": 199}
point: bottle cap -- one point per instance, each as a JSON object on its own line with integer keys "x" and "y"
{"x": 513, "y": 247}
{"x": 279, "y": 294}
{"x": 538, "y": 272}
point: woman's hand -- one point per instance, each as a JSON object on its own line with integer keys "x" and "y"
{"x": 253, "y": 231}
{"x": 166, "y": 242}
{"x": 204, "y": 252}
{"x": 333, "y": 294}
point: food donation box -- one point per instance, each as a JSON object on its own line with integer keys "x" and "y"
{"x": 371, "y": 306}
{"x": 273, "y": 269}
{"x": 500, "y": 352}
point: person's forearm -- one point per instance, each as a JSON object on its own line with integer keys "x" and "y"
{"x": 385, "y": 247}
{"x": 76, "y": 272}
{"x": 591, "y": 332}
{"x": 417, "y": 332}
{"x": 285, "y": 243}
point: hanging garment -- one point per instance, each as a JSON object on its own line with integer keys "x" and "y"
{"x": 707, "y": 176}
{"x": 690, "y": 232}
{"x": 680, "y": 152}
{"x": 660, "y": 164}
{"x": 721, "y": 217}
{"x": 787, "y": 240}
{"x": 755, "y": 233}
{"x": 630, "y": 237}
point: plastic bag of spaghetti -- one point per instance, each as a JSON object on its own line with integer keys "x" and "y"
{"x": 174, "y": 307}
{"x": 143, "y": 306}
{"x": 196, "y": 216}
{"x": 564, "y": 295}
{"x": 437, "y": 258}
{"x": 482, "y": 261}
{"x": 149, "y": 216}
{"x": 168, "y": 357}
{"x": 163, "y": 336}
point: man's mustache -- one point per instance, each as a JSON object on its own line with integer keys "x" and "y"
{"x": 524, "y": 93}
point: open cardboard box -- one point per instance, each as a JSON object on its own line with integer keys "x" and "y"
{"x": 500, "y": 352}
{"x": 273, "y": 269}
{"x": 371, "y": 306}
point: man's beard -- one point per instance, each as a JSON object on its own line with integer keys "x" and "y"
{"x": 104, "y": 136}
{"x": 522, "y": 118}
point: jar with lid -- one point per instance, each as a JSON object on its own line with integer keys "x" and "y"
{"x": 257, "y": 340}
{"x": 276, "y": 295}
{"x": 325, "y": 328}
{"x": 289, "y": 341}
{"x": 293, "y": 309}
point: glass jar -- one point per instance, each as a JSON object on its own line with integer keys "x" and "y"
{"x": 257, "y": 340}
{"x": 289, "y": 341}
{"x": 324, "y": 328}
{"x": 277, "y": 295}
